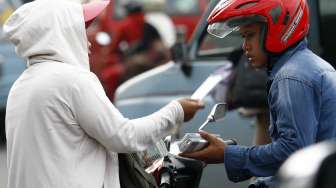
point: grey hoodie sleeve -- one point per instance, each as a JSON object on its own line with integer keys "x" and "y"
{"x": 102, "y": 121}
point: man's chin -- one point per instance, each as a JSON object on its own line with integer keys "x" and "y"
{"x": 256, "y": 65}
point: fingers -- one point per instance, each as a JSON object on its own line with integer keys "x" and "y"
{"x": 209, "y": 137}
{"x": 200, "y": 155}
{"x": 197, "y": 102}
{"x": 190, "y": 107}
{"x": 192, "y": 102}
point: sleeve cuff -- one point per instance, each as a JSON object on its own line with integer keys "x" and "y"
{"x": 234, "y": 161}
{"x": 234, "y": 157}
{"x": 179, "y": 113}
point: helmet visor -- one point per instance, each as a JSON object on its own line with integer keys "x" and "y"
{"x": 221, "y": 29}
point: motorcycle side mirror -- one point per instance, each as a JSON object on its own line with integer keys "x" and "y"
{"x": 217, "y": 113}
{"x": 103, "y": 39}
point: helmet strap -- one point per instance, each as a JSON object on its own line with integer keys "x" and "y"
{"x": 271, "y": 59}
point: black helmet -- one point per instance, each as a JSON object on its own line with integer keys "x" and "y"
{"x": 133, "y": 7}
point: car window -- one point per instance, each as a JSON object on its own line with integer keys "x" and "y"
{"x": 327, "y": 7}
{"x": 212, "y": 46}
{"x": 182, "y": 7}
{"x": 149, "y": 5}
{"x": 171, "y": 7}
{"x": 328, "y": 29}
{"x": 119, "y": 11}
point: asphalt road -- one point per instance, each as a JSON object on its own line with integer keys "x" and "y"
{"x": 3, "y": 167}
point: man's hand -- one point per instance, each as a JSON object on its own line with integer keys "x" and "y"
{"x": 212, "y": 154}
{"x": 190, "y": 107}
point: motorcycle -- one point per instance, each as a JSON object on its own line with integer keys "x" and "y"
{"x": 174, "y": 171}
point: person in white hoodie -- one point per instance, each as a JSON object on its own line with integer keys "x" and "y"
{"x": 62, "y": 131}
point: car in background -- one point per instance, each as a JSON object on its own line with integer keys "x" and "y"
{"x": 167, "y": 16}
{"x": 11, "y": 66}
{"x": 203, "y": 55}
{"x": 185, "y": 14}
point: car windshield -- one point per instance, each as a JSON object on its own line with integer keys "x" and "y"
{"x": 185, "y": 7}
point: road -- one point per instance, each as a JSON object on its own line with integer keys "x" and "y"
{"x": 3, "y": 168}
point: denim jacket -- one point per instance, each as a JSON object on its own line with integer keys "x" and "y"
{"x": 302, "y": 102}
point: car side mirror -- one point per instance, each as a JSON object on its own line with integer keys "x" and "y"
{"x": 179, "y": 52}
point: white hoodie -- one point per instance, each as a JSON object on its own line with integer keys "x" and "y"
{"x": 62, "y": 131}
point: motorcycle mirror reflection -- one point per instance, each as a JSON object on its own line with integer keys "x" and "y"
{"x": 103, "y": 38}
{"x": 217, "y": 113}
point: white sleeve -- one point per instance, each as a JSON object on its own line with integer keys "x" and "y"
{"x": 102, "y": 121}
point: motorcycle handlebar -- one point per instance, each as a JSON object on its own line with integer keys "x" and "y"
{"x": 165, "y": 181}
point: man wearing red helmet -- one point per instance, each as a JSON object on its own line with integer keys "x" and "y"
{"x": 301, "y": 87}
{"x": 61, "y": 129}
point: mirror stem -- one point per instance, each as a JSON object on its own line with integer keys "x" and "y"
{"x": 204, "y": 124}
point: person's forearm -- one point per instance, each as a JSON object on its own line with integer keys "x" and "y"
{"x": 97, "y": 116}
{"x": 243, "y": 162}
{"x": 150, "y": 129}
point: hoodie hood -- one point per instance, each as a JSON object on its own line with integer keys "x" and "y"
{"x": 49, "y": 30}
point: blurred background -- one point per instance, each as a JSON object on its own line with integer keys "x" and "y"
{"x": 148, "y": 52}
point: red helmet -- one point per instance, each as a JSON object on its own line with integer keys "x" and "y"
{"x": 287, "y": 21}
{"x": 92, "y": 10}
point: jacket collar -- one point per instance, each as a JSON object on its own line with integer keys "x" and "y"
{"x": 284, "y": 57}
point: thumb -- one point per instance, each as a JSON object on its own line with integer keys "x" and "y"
{"x": 198, "y": 103}
{"x": 210, "y": 138}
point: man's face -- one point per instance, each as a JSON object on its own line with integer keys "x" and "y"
{"x": 251, "y": 46}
